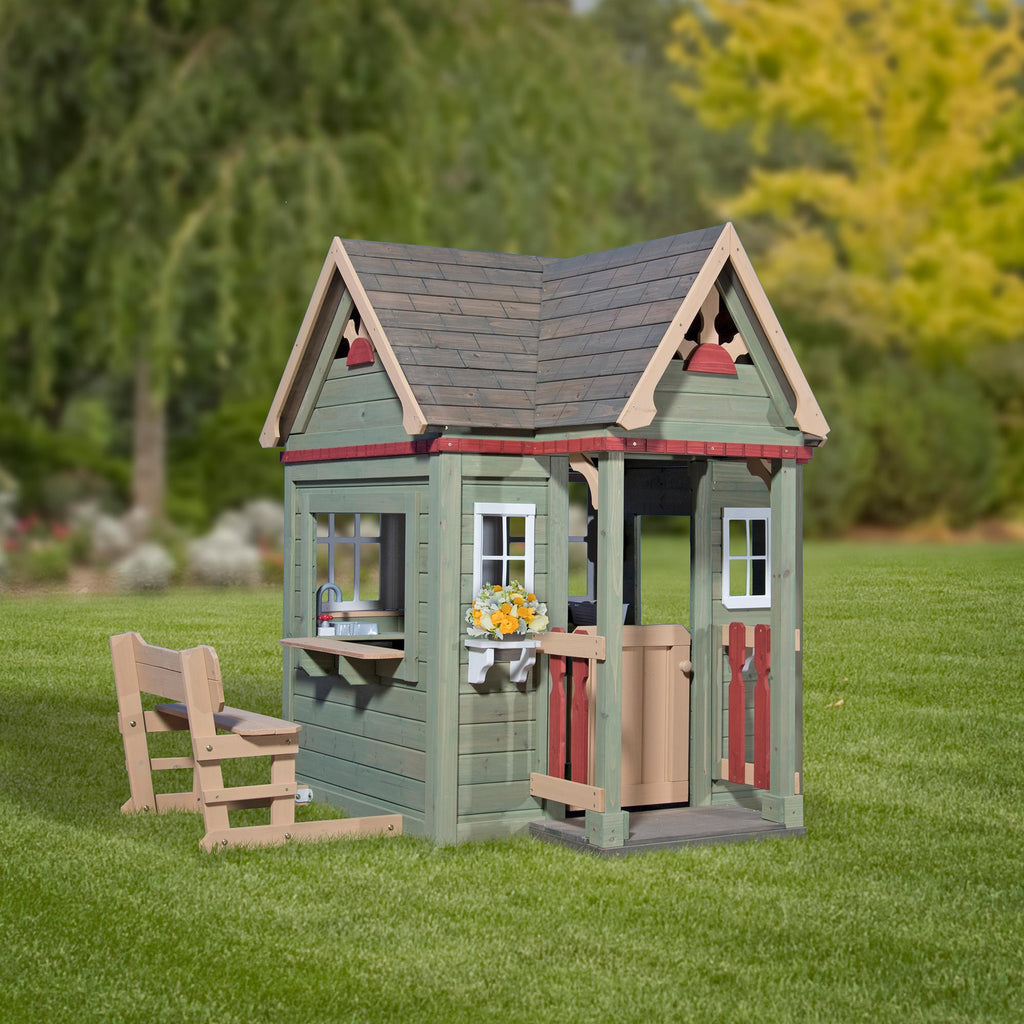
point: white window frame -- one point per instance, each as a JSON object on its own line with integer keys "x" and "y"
{"x": 506, "y": 511}
{"x": 747, "y": 599}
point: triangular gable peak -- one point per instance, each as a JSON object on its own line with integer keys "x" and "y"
{"x": 339, "y": 294}
{"x": 727, "y": 271}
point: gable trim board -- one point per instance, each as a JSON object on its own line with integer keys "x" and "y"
{"x": 495, "y": 341}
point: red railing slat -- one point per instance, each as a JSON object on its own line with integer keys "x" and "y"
{"x": 580, "y": 722}
{"x": 762, "y": 707}
{"x": 556, "y": 715}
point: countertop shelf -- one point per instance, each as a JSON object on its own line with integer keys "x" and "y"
{"x": 351, "y": 647}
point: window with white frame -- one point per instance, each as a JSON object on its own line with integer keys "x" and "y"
{"x": 503, "y": 543}
{"x": 746, "y": 558}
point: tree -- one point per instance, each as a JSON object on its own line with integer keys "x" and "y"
{"x": 173, "y": 173}
{"x": 890, "y": 138}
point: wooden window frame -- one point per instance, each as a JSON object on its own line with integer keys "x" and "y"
{"x": 317, "y": 500}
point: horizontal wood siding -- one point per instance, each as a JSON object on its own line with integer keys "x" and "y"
{"x": 354, "y": 406}
{"x": 362, "y": 740}
{"x": 498, "y": 720}
{"x": 712, "y": 407}
{"x": 363, "y": 743}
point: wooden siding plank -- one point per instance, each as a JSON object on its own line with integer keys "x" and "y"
{"x": 353, "y": 720}
{"x": 510, "y": 705}
{"x": 385, "y": 698}
{"x": 495, "y": 737}
{"x": 482, "y": 827}
{"x": 503, "y": 766}
{"x": 386, "y": 757}
{"x": 371, "y": 783}
{"x": 488, "y": 798}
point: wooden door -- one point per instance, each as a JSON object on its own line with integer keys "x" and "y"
{"x": 655, "y": 715}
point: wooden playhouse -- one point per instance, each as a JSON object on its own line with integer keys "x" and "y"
{"x": 450, "y": 418}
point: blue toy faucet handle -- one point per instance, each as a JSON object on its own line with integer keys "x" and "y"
{"x": 322, "y": 590}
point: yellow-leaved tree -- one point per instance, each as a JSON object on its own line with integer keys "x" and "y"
{"x": 890, "y": 139}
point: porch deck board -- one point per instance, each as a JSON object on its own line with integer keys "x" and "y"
{"x": 669, "y": 829}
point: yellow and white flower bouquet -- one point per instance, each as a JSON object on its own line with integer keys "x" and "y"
{"x": 502, "y": 613}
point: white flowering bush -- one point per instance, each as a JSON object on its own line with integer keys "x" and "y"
{"x": 499, "y": 612}
{"x": 111, "y": 538}
{"x": 148, "y": 567}
{"x": 224, "y": 558}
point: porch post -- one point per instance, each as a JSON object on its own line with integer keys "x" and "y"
{"x": 610, "y": 827}
{"x": 442, "y": 690}
{"x": 703, "y": 650}
{"x": 783, "y": 803}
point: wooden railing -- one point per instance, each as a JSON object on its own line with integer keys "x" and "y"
{"x": 735, "y": 767}
{"x": 571, "y": 659}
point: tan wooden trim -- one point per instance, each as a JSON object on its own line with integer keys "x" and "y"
{"x": 161, "y": 763}
{"x": 748, "y": 772}
{"x": 302, "y": 831}
{"x": 413, "y": 419}
{"x": 270, "y": 436}
{"x": 749, "y": 637}
{"x": 573, "y": 645}
{"x": 748, "y": 775}
{"x": 338, "y": 262}
{"x": 808, "y": 414}
{"x": 582, "y": 464}
{"x": 640, "y": 409}
{"x": 247, "y": 794}
{"x": 209, "y": 749}
{"x": 660, "y": 635}
{"x": 573, "y": 794}
{"x": 346, "y": 648}
{"x": 236, "y": 720}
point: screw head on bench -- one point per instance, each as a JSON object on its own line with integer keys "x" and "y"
{"x": 391, "y": 828}
{"x": 223, "y": 842}
{"x": 287, "y": 835}
{"x": 209, "y": 746}
{"x": 132, "y": 724}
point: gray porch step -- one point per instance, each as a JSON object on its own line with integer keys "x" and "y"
{"x": 670, "y": 828}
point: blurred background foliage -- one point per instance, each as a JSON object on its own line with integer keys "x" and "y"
{"x": 171, "y": 174}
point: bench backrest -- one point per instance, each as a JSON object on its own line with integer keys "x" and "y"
{"x": 158, "y": 670}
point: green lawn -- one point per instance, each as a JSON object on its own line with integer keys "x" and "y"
{"x": 904, "y": 903}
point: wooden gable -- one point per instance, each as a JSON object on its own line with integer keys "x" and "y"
{"x": 728, "y": 270}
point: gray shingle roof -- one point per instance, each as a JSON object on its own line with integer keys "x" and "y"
{"x": 508, "y": 342}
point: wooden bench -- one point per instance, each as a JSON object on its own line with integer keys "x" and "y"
{"x": 191, "y": 681}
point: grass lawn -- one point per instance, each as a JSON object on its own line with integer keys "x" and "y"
{"x": 904, "y": 903}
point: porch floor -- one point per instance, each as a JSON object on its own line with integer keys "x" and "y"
{"x": 668, "y": 828}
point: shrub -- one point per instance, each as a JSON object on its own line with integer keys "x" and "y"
{"x": 224, "y": 558}
{"x": 148, "y": 568}
{"x": 111, "y": 539}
